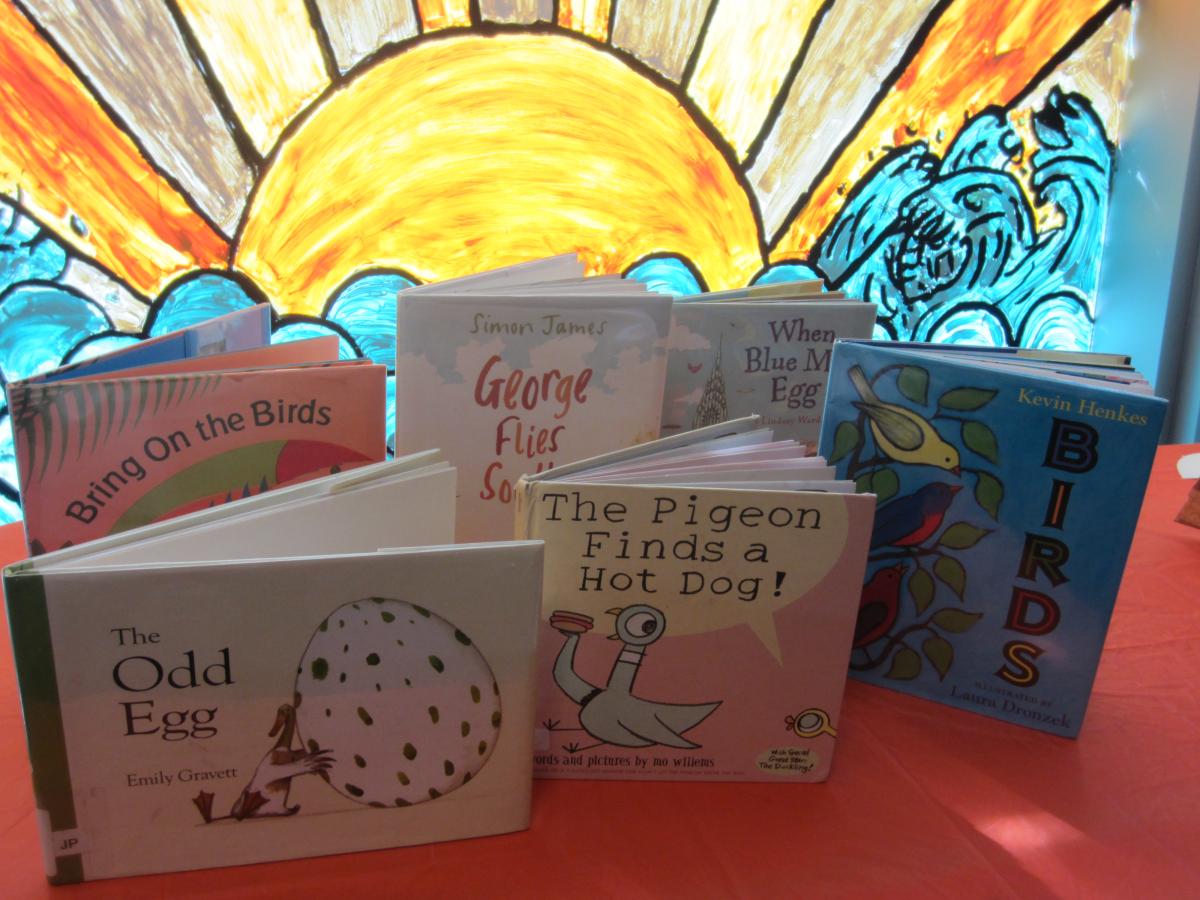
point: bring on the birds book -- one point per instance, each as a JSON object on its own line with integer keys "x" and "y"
{"x": 1008, "y": 484}
{"x": 695, "y": 623}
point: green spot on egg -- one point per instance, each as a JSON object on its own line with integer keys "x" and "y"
{"x": 378, "y": 600}
{"x": 359, "y": 761}
{"x": 320, "y": 668}
{"x": 462, "y": 638}
{"x": 400, "y": 643}
{"x": 342, "y": 678}
{"x": 422, "y": 610}
{"x": 438, "y": 665}
{"x": 495, "y": 689}
{"x": 475, "y": 694}
{"x": 448, "y": 767}
{"x": 313, "y": 746}
{"x": 410, "y": 752}
{"x": 365, "y": 716}
{"x": 400, "y": 801}
{"x": 354, "y": 789}
{"x": 354, "y": 606}
{"x": 466, "y": 728}
{"x": 345, "y": 648}
{"x": 377, "y": 804}
{"x": 466, "y": 778}
{"x": 328, "y": 713}
{"x": 387, "y": 617}
{"x": 403, "y": 778}
{"x": 324, "y": 626}
{"x": 341, "y": 623}
{"x": 407, "y": 682}
{"x": 434, "y": 793}
{"x": 496, "y": 719}
{"x": 482, "y": 747}
{"x": 433, "y": 714}
{"x": 372, "y": 659}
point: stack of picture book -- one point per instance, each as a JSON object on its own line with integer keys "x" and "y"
{"x": 184, "y": 421}
{"x": 310, "y": 670}
{"x": 762, "y": 350}
{"x": 1009, "y": 483}
{"x": 699, "y": 599}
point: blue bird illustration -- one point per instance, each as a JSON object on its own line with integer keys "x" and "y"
{"x": 910, "y": 520}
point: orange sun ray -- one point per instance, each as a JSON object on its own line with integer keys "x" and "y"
{"x": 67, "y": 157}
{"x": 439, "y": 14}
{"x": 588, "y": 17}
{"x": 978, "y": 54}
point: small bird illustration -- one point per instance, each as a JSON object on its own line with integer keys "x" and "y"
{"x": 267, "y": 792}
{"x": 612, "y": 714}
{"x": 908, "y": 521}
{"x": 879, "y": 606}
{"x": 900, "y": 433}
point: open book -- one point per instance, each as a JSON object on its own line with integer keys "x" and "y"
{"x": 1009, "y": 483}
{"x": 188, "y": 420}
{"x": 304, "y": 672}
{"x": 512, "y": 372}
{"x": 698, "y": 608}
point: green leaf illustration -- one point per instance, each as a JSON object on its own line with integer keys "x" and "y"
{"x": 940, "y": 654}
{"x": 920, "y": 588}
{"x": 845, "y": 439}
{"x": 906, "y": 665}
{"x": 965, "y": 399}
{"x": 951, "y": 573}
{"x": 979, "y": 438}
{"x": 884, "y": 483}
{"x": 960, "y": 536}
{"x": 989, "y": 492}
{"x": 913, "y": 382}
{"x": 955, "y": 620}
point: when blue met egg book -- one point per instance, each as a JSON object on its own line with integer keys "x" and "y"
{"x": 1008, "y": 487}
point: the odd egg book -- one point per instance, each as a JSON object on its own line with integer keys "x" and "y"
{"x": 258, "y": 681}
{"x": 102, "y": 453}
{"x": 513, "y": 383}
{"x": 698, "y": 605}
{"x": 1009, "y": 484}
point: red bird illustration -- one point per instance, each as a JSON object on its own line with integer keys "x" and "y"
{"x": 909, "y": 520}
{"x": 879, "y": 606}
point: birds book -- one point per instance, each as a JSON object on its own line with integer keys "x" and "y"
{"x": 508, "y": 373}
{"x": 698, "y": 607}
{"x": 759, "y": 355}
{"x": 1008, "y": 483}
{"x": 308, "y": 671}
{"x": 122, "y": 442}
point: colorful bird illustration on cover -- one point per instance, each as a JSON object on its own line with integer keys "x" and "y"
{"x": 267, "y": 792}
{"x": 908, "y": 521}
{"x": 900, "y": 433}
{"x": 612, "y": 714}
{"x": 879, "y": 606}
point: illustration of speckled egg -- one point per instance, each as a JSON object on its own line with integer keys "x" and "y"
{"x": 403, "y": 701}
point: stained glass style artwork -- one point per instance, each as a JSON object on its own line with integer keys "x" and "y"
{"x": 162, "y": 162}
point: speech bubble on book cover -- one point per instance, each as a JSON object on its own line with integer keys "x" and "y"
{"x": 707, "y": 559}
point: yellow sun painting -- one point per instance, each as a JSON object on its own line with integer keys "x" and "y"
{"x": 169, "y": 159}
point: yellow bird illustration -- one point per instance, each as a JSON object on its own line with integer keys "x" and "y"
{"x": 900, "y": 433}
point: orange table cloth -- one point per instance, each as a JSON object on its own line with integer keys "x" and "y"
{"x": 924, "y": 799}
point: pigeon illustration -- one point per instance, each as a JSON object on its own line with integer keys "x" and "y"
{"x": 612, "y": 714}
{"x": 900, "y": 433}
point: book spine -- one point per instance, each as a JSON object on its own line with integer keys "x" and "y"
{"x": 521, "y": 507}
{"x": 33, "y": 653}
